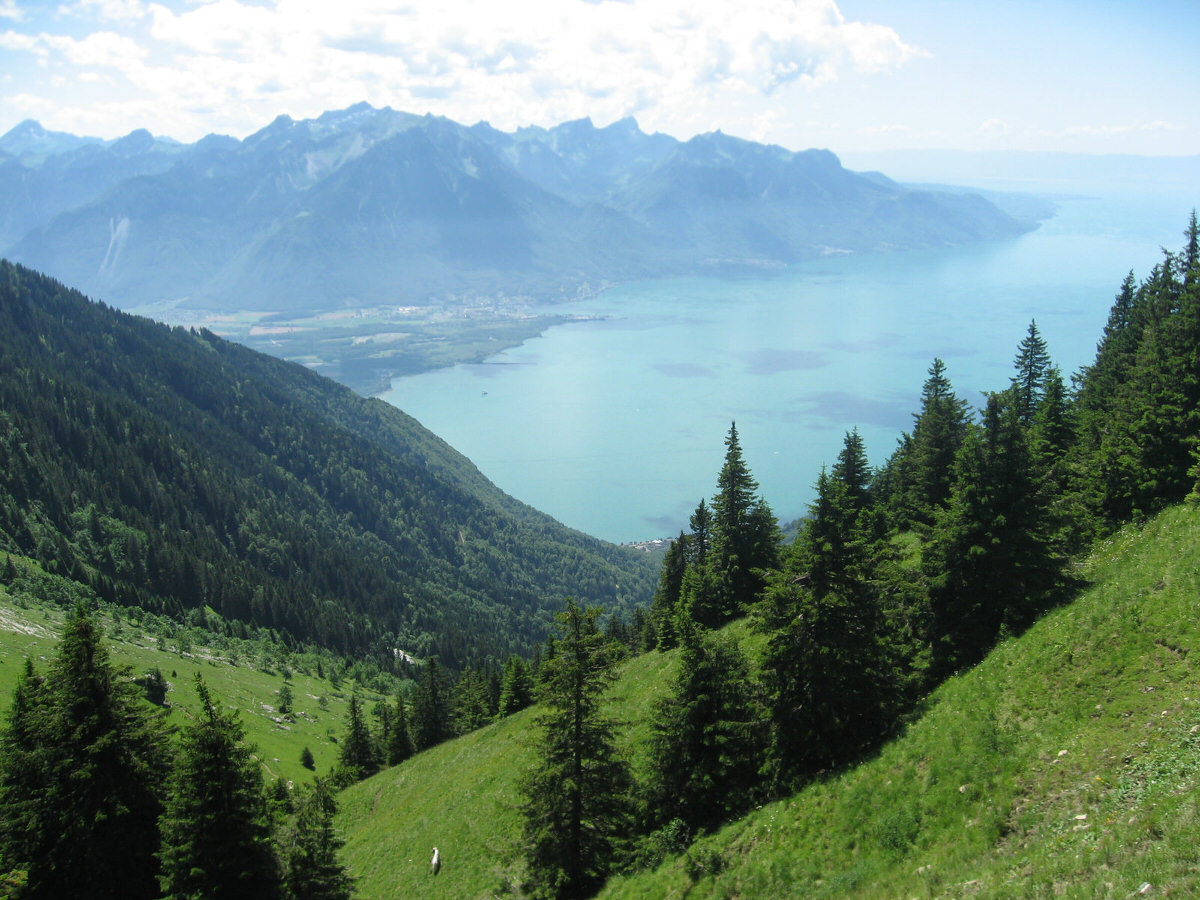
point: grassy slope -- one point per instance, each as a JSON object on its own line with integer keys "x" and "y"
{"x": 33, "y": 632}
{"x": 462, "y": 798}
{"x": 1065, "y": 764}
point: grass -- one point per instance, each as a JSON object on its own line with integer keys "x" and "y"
{"x": 30, "y": 630}
{"x": 462, "y": 798}
{"x": 1067, "y": 764}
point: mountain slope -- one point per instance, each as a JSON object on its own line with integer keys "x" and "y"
{"x": 1065, "y": 764}
{"x": 171, "y": 469}
{"x": 367, "y": 207}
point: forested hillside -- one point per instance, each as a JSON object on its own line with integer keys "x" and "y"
{"x": 172, "y": 470}
{"x": 864, "y": 631}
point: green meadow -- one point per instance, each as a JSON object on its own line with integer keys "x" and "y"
{"x": 248, "y": 684}
{"x": 1065, "y": 765}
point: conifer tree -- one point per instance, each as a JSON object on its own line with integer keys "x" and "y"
{"x": 383, "y": 737}
{"x": 575, "y": 801}
{"x": 701, "y": 600}
{"x": 516, "y": 686}
{"x": 308, "y": 848}
{"x": 400, "y": 746}
{"x": 1114, "y": 359}
{"x": 700, "y": 540}
{"x": 215, "y": 830}
{"x": 1191, "y": 252}
{"x": 853, "y": 470}
{"x": 1032, "y": 363}
{"x": 992, "y": 562}
{"x": 81, "y": 764}
{"x": 704, "y": 742}
{"x": 1140, "y": 408}
{"x": 664, "y": 606}
{"x": 745, "y": 535}
{"x": 1053, "y": 432}
{"x": 430, "y": 713}
{"x": 26, "y": 821}
{"x": 826, "y": 546}
{"x": 471, "y": 701}
{"x": 937, "y": 434}
{"x": 358, "y": 754}
{"x": 826, "y": 672}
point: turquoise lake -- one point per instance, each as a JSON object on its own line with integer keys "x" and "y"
{"x": 616, "y": 426}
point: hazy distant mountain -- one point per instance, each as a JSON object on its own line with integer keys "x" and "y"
{"x": 46, "y": 173}
{"x": 372, "y": 206}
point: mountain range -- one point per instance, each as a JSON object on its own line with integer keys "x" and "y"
{"x": 368, "y": 206}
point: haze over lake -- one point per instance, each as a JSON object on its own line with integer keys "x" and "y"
{"x": 616, "y": 426}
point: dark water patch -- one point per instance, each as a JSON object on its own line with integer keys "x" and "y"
{"x": 772, "y": 361}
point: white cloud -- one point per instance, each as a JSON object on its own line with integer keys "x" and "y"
{"x": 14, "y": 40}
{"x": 10, "y": 10}
{"x": 993, "y": 127}
{"x": 677, "y": 64}
{"x": 101, "y": 49}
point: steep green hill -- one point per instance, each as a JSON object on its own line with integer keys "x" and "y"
{"x": 1066, "y": 764}
{"x": 243, "y": 675}
{"x": 172, "y": 470}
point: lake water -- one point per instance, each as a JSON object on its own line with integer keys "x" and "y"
{"x": 616, "y": 426}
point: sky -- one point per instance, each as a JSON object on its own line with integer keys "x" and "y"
{"x": 1093, "y": 76}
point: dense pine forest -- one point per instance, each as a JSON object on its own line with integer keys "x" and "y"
{"x": 170, "y": 470}
{"x": 900, "y": 577}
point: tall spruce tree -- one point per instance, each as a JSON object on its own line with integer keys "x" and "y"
{"x": 992, "y": 562}
{"x": 701, "y": 599}
{"x": 575, "y": 801}
{"x": 745, "y": 535}
{"x": 82, "y": 760}
{"x": 700, "y": 540}
{"x": 1191, "y": 252}
{"x": 937, "y": 434}
{"x": 704, "y": 736}
{"x": 516, "y": 686}
{"x": 826, "y": 671}
{"x": 1053, "y": 431}
{"x": 1033, "y": 364}
{"x": 853, "y": 470}
{"x": 358, "y": 754}
{"x": 1114, "y": 359}
{"x": 27, "y": 822}
{"x": 216, "y": 831}
{"x": 308, "y": 848}
{"x": 431, "y": 708}
{"x": 400, "y": 745}
{"x": 471, "y": 701}
{"x": 1139, "y": 403}
{"x": 665, "y": 605}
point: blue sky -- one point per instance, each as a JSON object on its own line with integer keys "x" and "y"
{"x": 1105, "y": 76}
